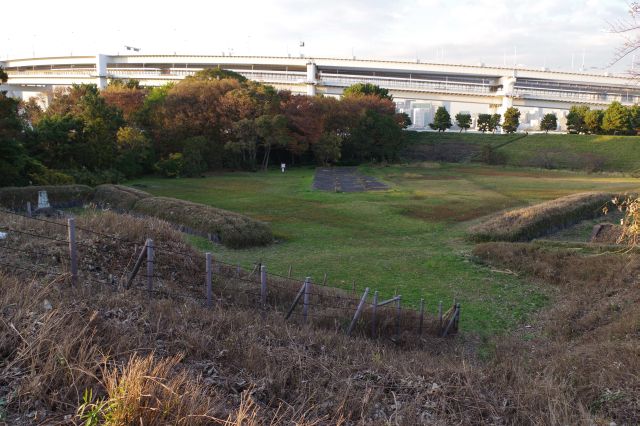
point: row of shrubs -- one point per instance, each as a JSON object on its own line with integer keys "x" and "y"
{"x": 231, "y": 229}
{"x": 534, "y": 221}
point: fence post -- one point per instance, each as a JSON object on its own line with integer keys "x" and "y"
{"x": 305, "y": 303}
{"x": 289, "y": 273}
{"x": 73, "y": 255}
{"x": 149, "y": 264}
{"x": 263, "y": 286}
{"x": 439, "y": 317}
{"x": 398, "y": 316}
{"x": 137, "y": 265}
{"x": 358, "y": 311}
{"x": 238, "y": 271}
{"x": 324, "y": 279}
{"x": 455, "y": 325}
{"x": 208, "y": 279}
{"x": 373, "y": 315}
{"x": 29, "y": 214}
{"x": 421, "y": 316}
{"x": 296, "y": 300}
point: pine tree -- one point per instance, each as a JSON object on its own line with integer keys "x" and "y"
{"x": 441, "y": 120}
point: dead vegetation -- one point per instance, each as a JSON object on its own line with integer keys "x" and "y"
{"x": 118, "y": 197}
{"x": 534, "y": 221}
{"x": 67, "y": 354}
{"x": 233, "y": 230}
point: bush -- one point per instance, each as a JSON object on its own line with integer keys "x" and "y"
{"x": 530, "y": 222}
{"x": 118, "y": 197}
{"x": 232, "y": 229}
{"x": 59, "y": 196}
{"x": 94, "y": 178}
{"x": 171, "y": 167}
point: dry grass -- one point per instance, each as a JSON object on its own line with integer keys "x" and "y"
{"x": 166, "y": 360}
{"x": 530, "y": 222}
{"x": 118, "y": 197}
{"x": 59, "y": 196}
{"x": 592, "y": 343}
{"x": 232, "y": 229}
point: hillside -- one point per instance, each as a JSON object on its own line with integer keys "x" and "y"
{"x": 554, "y": 151}
{"x": 96, "y": 351}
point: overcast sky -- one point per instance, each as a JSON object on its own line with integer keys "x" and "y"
{"x": 533, "y": 33}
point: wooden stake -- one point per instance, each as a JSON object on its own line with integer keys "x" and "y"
{"x": 149, "y": 265}
{"x": 208, "y": 279}
{"x": 398, "y": 317}
{"x": 29, "y": 213}
{"x": 296, "y": 300}
{"x": 238, "y": 271}
{"x": 439, "y": 317}
{"x": 421, "y": 316}
{"x": 137, "y": 265}
{"x": 73, "y": 255}
{"x": 324, "y": 279}
{"x": 451, "y": 322}
{"x": 374, "y": 307}
{"x": 307, "y": 295}
{"x": 263, "y": 286}
{"x": 358, "y": 311}
{"x": 289, "y": 273}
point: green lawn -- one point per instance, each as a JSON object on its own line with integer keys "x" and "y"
{"x": 408, "y": 239}
{"x": 558, "y": 151}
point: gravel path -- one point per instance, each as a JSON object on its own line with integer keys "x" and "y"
{"x": 345, "y": 179}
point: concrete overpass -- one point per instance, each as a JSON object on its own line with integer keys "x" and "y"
{"x": 418, "y": 88}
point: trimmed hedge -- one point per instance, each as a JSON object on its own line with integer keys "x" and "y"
{"x": 60, "y": 196}
{"x": 231, "y": 229}
{"x": 118, "y": 197}
{"x": 534, "y": 221}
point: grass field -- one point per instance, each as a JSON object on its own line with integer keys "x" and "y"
{"x": 562, "y": 151}
{"x": 408, "y": 239}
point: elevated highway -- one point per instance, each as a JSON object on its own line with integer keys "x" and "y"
{"x": 418, "y": 88}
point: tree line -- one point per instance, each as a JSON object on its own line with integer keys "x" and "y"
{"x": 214, "y": 120}
{"x": 486, "y": 122}
{"x": 616, "y": 119}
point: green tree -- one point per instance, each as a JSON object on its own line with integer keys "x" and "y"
{"x": 549, "y": 122}
{"x": 484, "y": 122}
{"x": 328, "y": 148}
{"x": 135, "y": 155}
{"x": 494, "y": 122}
{"x": 511, "y": 120}
{"x": 463, "y": 121}
{"x": 217, "y": 74}
{"x": 272, "y": 132}
{"x": 575, "y": 119}
{"x": 634, "y": 118}
{"x": 441, "y": 120}
{"x": 244, "y": 142}
{"x": 616, "y": 119}
{"x": 363, "y": 89}
{"x": 593, "y": 121}
{"x": 193, "y": 155}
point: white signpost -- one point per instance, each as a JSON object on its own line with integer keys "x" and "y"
{"x": 43, "y": 200}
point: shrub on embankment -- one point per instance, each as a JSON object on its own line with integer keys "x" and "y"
{"x": 534, "y": 221}
{"x": 231, "y": 229}
{"x": 16, "y": 198}
{"x": 118, "y": 197}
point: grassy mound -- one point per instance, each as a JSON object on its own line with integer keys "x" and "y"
{"x": 118, "y": 197}
{"x": 530, "y": 222}
{"x": 232, "y": 229}
{"x": 59, "y": 196}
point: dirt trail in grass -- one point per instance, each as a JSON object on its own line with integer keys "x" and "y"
{"x": 345, "y": 179}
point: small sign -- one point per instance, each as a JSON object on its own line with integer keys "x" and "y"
{"x": 43, "y": 200}
{"x": 283, "y": 166}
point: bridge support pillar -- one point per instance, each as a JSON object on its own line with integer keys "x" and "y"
{"x": 312, "y": 79}
{"x": 101, "y": 71}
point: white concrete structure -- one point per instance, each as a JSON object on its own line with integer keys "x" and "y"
{"x": 418, "y": 88}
